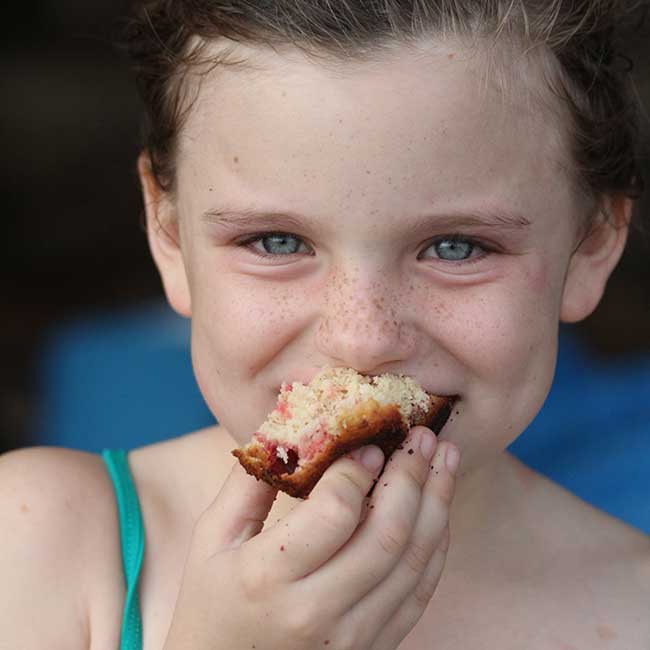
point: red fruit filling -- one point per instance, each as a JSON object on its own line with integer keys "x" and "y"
{"x": 283, "y": 410}
{"x": 287, "y": 461}
{"x": 312, "y": 445}
{"x": 278, "y": 465}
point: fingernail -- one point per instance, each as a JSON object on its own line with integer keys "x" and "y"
{"x": 372, "y": 458}
{"x": 452, "y": 458}
{"x": 427, "y": 445}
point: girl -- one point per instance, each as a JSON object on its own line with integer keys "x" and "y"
{"x": 425, "y": 188}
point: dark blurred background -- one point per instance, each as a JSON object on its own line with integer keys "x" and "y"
{"x": 74, "y": 246}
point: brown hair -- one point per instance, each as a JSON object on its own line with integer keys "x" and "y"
{"x": 167, "y": 38}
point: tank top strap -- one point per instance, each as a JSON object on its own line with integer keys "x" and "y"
{"x": 132, "y": 542}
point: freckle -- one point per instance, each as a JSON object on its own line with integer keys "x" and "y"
{"x": 24, "y": 509}
{"x": 327, "y": 641}
{"x": 451, "y": 56}
{"x": 236, "y": 159}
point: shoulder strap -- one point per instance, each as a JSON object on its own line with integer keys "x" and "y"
{"x": 132, "y": 539}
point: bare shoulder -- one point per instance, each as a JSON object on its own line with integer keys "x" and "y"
{"x": 565, "y": 561}
{"x": 599, "y": 568}
{"x": 620, "y": 566}
{"x": 162, "y": 478}
{"x": 59, "y": 523}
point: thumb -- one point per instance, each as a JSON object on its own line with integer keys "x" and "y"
{"x": 237, "y": 514}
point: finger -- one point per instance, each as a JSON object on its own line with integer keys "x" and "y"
{"x": 379, "y": 542}
{"x": 406, "y": 617}
{"x": 236, "y": 515}
{"x": 315, "y": 529}
{"x": 405, "y": 593}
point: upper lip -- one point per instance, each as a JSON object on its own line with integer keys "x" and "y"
{"x": 452, "y": 396}
{"x": 455, "y": 397}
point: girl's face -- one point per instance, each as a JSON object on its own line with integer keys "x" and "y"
{"x": 400, "y": 217}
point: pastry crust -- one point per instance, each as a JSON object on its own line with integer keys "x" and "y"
{"x": 365, "y": 424}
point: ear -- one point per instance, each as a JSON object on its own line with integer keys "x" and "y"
{"x": 595, "y": 259}
{"x": 164, "y": 239}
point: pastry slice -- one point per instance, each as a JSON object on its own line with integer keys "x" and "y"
{"x": 338, "y": 411}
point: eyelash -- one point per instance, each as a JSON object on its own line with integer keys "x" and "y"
{"x": 485, "y": 248}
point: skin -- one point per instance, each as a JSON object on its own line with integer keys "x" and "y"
{"x": 360, "y": 165}
{"x": 358, "y": 156}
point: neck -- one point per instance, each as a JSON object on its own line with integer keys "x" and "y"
{"x": 490, "y": 512}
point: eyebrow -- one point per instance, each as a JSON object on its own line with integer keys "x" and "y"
{"x": 245, "y": 218}
{"x": 501, "y": 219}
{"x": 488, "y": 218}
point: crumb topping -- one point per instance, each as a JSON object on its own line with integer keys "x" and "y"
{"x": 306, "y": 414}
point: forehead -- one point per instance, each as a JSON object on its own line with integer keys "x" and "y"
{"x": 422, "y": 125}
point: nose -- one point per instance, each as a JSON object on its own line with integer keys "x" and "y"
{"x": 364, "y": 325}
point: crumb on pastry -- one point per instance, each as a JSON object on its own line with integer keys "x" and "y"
{"x": 338, "y": 411}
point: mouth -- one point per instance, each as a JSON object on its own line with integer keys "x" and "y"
{"x": 445, "y": 414}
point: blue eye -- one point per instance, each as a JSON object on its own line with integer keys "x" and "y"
{"x": 275, "y": 244}
{"x": 455, "y": 249}
{"x": 280, "y": 244}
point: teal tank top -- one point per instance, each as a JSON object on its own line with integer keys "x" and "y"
{"x": 132, "y": 541}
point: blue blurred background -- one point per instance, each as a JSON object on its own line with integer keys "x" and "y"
{"x": 93, "y": 357}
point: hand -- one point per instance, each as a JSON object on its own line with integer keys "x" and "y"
{"x": 331, "y": 573}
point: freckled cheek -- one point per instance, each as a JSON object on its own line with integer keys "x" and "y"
{"x": 239, "y": 325}
{"x": 502, "y": 342}
{"x": 504, "y": 335}
{"x": 236, "y": 332}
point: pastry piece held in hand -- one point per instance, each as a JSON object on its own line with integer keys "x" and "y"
{"x": 339, "y": 411}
